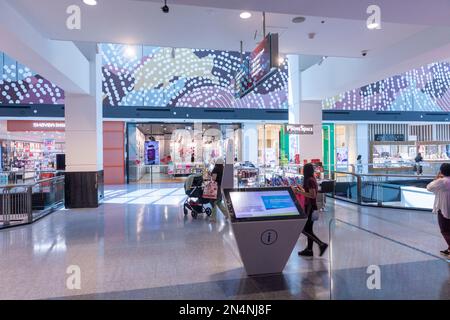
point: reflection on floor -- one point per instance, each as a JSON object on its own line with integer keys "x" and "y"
{"x": 139, "y": 245}
{"x": 160, "y": 178}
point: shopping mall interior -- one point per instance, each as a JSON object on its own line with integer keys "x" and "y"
{"x": 192, "y": 150}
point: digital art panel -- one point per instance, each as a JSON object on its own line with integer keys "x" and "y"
{"x": 423, "y": 89}
{"x": 20, "y": 85}
{"x": 179, "y": 77}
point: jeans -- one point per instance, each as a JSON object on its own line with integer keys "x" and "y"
{"x": 308, "y": 230}
{"x": 219, "y": 203}
{"x": 444, "y": 225}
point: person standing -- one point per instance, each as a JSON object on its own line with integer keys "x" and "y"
{"x": 441, "y": 188}
{"x": 359, "y": 166}
{"x": 418, "y": 161}
{"x": 309, "y": 191}
{"x": 216, "y": 175}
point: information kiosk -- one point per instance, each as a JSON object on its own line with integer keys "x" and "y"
{"x": 267, "y": 223}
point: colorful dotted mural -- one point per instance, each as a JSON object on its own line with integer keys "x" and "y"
{"x": 423, "y": 89}
{"x": 177, "y": 77}
{"x": 20, "y": 85}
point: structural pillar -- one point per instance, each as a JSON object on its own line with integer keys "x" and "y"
{"x": 308, "y": 146}
{"x": 84, "y": 143}
{"x": 250, "y": 142}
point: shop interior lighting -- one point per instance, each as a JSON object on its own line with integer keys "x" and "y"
{"x": 90, "y": 2}
{"x": 245, "y": 15}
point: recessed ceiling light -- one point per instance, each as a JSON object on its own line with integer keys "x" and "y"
{"x": 90, "y": 2}
{"x": 130, "y": 52}
{"x": 298, "y": 19}
{"x": 245, "y": 15}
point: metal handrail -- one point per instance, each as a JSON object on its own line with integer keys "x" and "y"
{"x": 384, "y": 175}
{"x": 17, "y": 201}
{"x": 31, "y": 184}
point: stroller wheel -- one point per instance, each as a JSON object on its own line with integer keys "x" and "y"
{"x": 185, "y": 211}
{"x": 208, "y": 211}
{"x": 194, "y": 214}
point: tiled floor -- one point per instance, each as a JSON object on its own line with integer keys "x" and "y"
{"x": 139, "y": 245}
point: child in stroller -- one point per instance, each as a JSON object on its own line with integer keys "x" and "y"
{"x": 195, "y": 203}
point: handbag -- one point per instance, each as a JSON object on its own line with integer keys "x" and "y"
{"x": 315, "y": 215}
{"x": 210, "y": 190}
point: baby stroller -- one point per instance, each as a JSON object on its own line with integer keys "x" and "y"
{"x": 195, "y": 203}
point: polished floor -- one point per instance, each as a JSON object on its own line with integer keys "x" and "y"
{"x": 139, "y": 245}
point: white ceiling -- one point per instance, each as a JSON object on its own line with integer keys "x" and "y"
{"x": 142, "y": 22}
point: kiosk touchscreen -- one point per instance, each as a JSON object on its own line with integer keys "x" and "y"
{"x": 263, "y": 204}
{"x": 267, "y": 223}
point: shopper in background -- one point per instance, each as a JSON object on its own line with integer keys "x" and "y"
{"x": 309, "y": 191}
{"x": 418, "y": 166}
{"x": 441, "y": 188}
{"x": 359, "y": 166}
{"x": 216, "y": 175}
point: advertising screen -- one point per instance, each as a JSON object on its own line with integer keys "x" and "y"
{"x": 257, "y": 66}
{"x": 261, "y": 204}
{"x": 151, "y": 150}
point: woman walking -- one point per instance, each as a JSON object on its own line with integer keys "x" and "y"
{"x": 216, "y": 175}
{"x": 441, "y": 188}
{"x": 309, "y": 191}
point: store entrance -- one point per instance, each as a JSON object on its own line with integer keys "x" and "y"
{"x": 167, "y": 153}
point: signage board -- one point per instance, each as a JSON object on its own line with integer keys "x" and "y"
{"x": 30, "y": 125}
{"x": 389, "y": 137}
{"x": 258, "y": 66}
{"x": 301, "y": 129}
{"x": 151, "y": 156}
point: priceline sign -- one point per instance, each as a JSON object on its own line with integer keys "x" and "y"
{"x": 301, "y": 129}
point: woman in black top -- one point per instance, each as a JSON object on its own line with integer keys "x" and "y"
{"x": 309, "y": 191}
{"x": 216, "y": 175}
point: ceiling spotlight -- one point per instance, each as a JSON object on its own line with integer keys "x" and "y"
{"x": 298, "y": 19}
{"x": 280, "y": 60}
{"x": 245, "y": 15}
{"x": 90, "y": 2}
{"x": 130, "y": 52}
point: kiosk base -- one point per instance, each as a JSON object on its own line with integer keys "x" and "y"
{"x": 265, "y": 246}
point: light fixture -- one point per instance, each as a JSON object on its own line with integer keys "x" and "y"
{"x": 298, "y": 20}
{"x": 130, "y": 52}
{"x": 245, "y": 15}
{"x": 90, "y": 2}
{"x": 280, "y": 60}
{"x": 373, "y": 26}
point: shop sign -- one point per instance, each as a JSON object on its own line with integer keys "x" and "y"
{"x": 389, "y": 137}
{"x": 51, "y": 125}
{"x": 29, "y": 125}
{"x": 302, "y": 129}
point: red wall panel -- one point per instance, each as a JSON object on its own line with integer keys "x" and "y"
{"x": 114, "y": 152}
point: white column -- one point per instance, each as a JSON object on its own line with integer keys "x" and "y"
{"x": 311, "y": 146}
{"x": 304, "y": 112}
{"x": 294, "y": 88}
{"x": 250, "y": 142}
{"x": 362, "y": 141}
{"x": 84, "y": 125}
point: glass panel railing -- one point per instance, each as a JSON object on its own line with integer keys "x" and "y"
{"x": 401, "y": 191}
{"x": 384, "y": 190}
{"x": 367, "y": 265}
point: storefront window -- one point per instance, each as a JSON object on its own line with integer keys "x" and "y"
{"x": 183, "y": 149}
